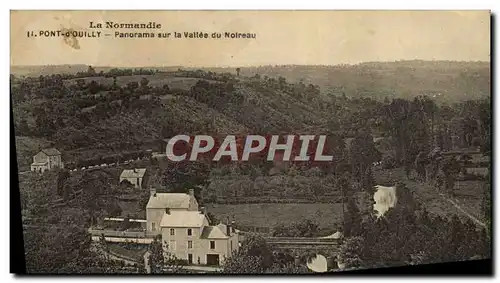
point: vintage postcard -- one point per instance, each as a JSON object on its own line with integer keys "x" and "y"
{"x": 250, "y": 142}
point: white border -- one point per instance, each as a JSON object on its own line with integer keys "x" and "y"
{"x": 255, "y": 4}
{"x": 196, "y": 5}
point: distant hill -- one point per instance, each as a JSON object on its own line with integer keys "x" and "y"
{"x": 445, "y": 81}
{"x": 35, "y": 71}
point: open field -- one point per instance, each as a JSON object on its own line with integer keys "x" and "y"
{"x": 271, "y": 214}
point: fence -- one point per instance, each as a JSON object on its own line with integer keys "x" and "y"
{"x": 123, "y": 234}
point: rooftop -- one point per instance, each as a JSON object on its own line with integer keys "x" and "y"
{"x": 133, "y": 173}
{"x": 51, "y": 151}
{"x": 213, "y": 232}
{"x": 169, "y": 200}
{"x": 182, "y": 219}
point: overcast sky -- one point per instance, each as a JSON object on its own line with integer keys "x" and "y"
{"x": 283, "y": 37}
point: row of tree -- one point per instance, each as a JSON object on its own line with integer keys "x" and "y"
{"x": 109, "y": 159}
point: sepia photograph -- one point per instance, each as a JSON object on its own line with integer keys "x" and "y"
{"x": 251, "y": 142}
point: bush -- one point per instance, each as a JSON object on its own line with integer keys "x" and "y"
{"x": 389, "y": 162}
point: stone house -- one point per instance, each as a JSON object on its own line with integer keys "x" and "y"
{"x": 186, "y": 231}
{"x": 134, "y": 176}
{"x": 47, "y": 159}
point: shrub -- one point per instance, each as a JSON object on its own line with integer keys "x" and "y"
{"x": 388, "y": 162}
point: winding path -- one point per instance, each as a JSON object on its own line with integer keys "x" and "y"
{"x": 463, "y": 211}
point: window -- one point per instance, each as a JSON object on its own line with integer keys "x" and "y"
{"x": 212, "y": 245}
{"x": 171, "y": 245}
{"x": 172, "y": 232}
{"x": 190, "y": 244}
{"x": 153, "y": 226}
{"x": 190, "y": 232}
{"x": 190, "y": 258}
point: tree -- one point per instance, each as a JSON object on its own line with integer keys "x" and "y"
{"x": 94, "y": 87}
{"x": 144, "y": 199}
{"x": 398, "y": 112}
{"x": 229, "y": 88}
{"x": 255, "y": 257}
{"x": 113, "y": 209}
{"x": 255, "y": 245}
{"x": 156, "y": 259}
{"x": 241, "y": 263}
{"x": 451, "y": 169}
{"x": 45, "y": 125}
{"x": 181, "y": 176}
{"x": 23, "y": 129}
{"x": 93, "y": 187}
{"x": 305, "y": 228}
{"x": 90, "y": 71}
{"x": 351, "y": 252}
{"x": 214, "y": 220}
{"x": 62, "y": 176}
{"x": 125, "y": 184}
{"x": 132, "y": 86}
{"x": 161, "y": 260}
{"x": 352, "y": 219}
{"x": 362, "y": 155}
{"x": 420, "y": 162}
{"x": 144, "y": 83}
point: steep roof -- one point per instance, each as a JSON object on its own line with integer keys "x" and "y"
{"x": 213, "y": 232}
{"x": 169, "y": 200}
{"x": 51, "y": 151}
{"x": 133, "y": 173}
{"x": 182, "y": 219}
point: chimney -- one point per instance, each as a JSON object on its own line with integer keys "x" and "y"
{"x": 191, "y": 192}
{"x": 167, "y": 210}
{"x": 228, "y": 228}
{"x": 135, "y": 171}
{"x": 203, "y": 210}
{"x": 152, "y": 191}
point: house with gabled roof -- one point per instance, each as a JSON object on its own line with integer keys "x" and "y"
{"x": 186, "y": 231}
{"x": 47, "y": 159}
{"x": 134, "y": 176}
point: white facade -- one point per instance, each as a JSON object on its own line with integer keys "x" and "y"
{"x": 47, "y": 159}
{"x": 186, "y": 232}
{"x": 134, "y": 176}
